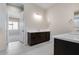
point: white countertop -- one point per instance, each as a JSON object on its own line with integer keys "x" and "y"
{"x": 72, "y": 37}
{"x": 34, "y": 31}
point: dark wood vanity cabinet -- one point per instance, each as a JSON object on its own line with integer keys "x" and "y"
{"x": 38, "y": 37}
{"x": 62, "y": 47}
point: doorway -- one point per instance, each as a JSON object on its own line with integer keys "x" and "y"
{"x": 15, "y": 23}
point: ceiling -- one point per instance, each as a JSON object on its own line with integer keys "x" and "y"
{"x": 20, "y": 5}
{"x": 45, "y": 5}
{"x": 42, "y": 5}
{"x": 16, "y": 4}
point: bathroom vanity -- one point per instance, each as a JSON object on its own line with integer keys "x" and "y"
{"x": 66, "y": 44}
{"x": 38, "y": 37}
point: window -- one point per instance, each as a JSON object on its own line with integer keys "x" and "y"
{"x": 12, "y": 25}
{"x": 15, "y": 25}
{"x": 76, "y": 21}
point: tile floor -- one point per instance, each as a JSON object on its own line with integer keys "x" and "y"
{"x": 17, "y": 48}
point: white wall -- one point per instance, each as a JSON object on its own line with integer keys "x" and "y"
{"x": 3, "y": 22}
{"x": 60, "y": 17}
{"x": 32, "y": 24}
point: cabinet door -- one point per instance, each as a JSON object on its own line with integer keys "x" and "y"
{"x": 45, "y": 36}
{"x": 62, "y": 47}
{"x": 35, "y": 38}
